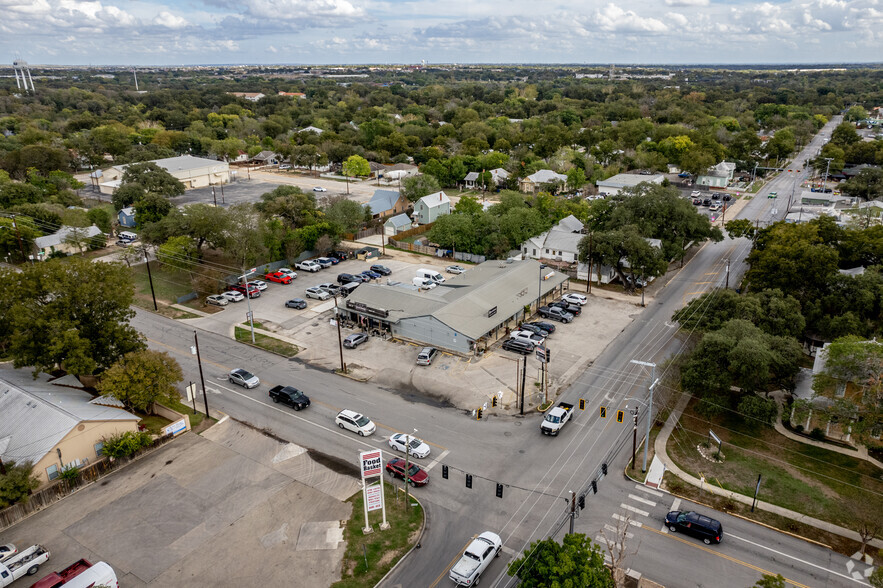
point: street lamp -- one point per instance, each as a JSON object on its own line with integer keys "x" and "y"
{"x": 407, "y": 464}
{"x": 654, "y": 381}
{"x": 195, "y": 351}
{"x": 339, "y": 336}
{"x": 248, "y": 299}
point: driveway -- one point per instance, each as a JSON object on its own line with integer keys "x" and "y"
{"x": 216, "y": 509}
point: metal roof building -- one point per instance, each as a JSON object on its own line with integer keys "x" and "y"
{"x": 467, "y": 312}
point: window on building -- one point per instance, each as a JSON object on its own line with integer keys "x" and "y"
{"x": 841, "y": 390}
{"x": 52, "y": 471}
{"x": 98, "y": 448}
{"x": 534, "y": 252}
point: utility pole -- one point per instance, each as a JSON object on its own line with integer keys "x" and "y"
{"x": 635, "y": 437}
{"x": 248, "y": 300}
{"x": 339, "y": 337}
{"x": 201, "y": 377}
{"x": 523, "y": 383}
{"x": 591, "y": 265}
{"x": 727, "y": 279}
{"x": 572, "y": 509}
{"x": 407, "y": 465}
{"x": 827, "y": 167}
{"x": 149, "y": 276}
{"x": 21, "y": 247}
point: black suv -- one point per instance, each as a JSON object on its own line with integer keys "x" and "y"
{"x": 380, "y": 269}
{"x": 518, "y": 346}
{"x": 534, "y": 329}
{"x": 548, "y": 327}
{"x": 573, "y": 309}
{"x": 348, "y": 278}
{"x": 691, "y": 523}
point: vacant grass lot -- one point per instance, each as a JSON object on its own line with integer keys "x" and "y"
{"x": 168, "y": 284}
{"x": 381, "y": 549}
{"x": 266, "y": 342}
{"x": 804, "y": 478}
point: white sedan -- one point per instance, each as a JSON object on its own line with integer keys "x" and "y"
{"x": 317, "y": 293}
{"x": 320, "y": 189}
{"x": 419, "y": 449}
{"x": 573, "y": 298}
{"x": 233, "y": 296}
{"x": 260, "y": 285}
{"x": 288, "y": 272}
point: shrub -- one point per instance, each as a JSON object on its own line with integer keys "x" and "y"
{"x": 758, "y": 409}
{"x": 817, "y": 434}
{"x": 18, "y": 481}
{"x": 71, "y": 474}
{"x": 125, "y": 444}
{"x": 798, "y": 428}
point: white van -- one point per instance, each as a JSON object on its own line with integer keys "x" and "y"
{"x": 423, "y": 283}
{"x": 428, "y": 274}
{"x": 99, "y": 574}
{"x": 128, "y": 236}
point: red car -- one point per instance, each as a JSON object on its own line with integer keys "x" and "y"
{"x": 417, "y": 476}
{"x": 278, "y": 277}
{"x": 250, "y": 291}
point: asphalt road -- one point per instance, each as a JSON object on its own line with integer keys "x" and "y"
{"x": 537, "y": 471}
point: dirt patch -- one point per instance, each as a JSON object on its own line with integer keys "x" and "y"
{"x": 387, "y": 557}
{"x": 335, "y": 464}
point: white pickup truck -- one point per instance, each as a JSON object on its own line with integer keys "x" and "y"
{"x": 308, "y": 265}
{"x": 478, "y": 555}
{"x": 556, "y": 418}
{"x": 22, "y": 564}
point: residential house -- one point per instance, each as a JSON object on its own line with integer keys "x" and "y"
{"x": 126, "y": 217}
{"x": 266, "y": 158}
{"x": 534, "y": 182}
{"x": 396, "y": 225}
{"x": 470, "y": 179}
{"x": 430, "y": 207}
{"x": 718, "y": 176}
{"x": 311, "y": 129}
{"x": 399, "y": 171}
{"x": 193, "y": 172}
{"x": 292, "y": 94}
{"x": 53, "y": 425}
{"x": 499, "y": 176}
{"x": 250, "y": 96}
{"x": 65, "y": 240}
{"x": 612, "y": 186}
{"x": 560, "y": 243}
{"x": 386, "y": 203}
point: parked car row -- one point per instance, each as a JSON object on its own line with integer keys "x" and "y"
{"x": 530, "y": 335}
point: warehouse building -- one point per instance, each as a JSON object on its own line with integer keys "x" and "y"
{"x": 193, "y": 172}
{"x": 465, "y": 314}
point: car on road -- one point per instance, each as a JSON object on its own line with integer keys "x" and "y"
{"x": 727, "y": 198}
{"x": 285, "y": 166}
{"x": 697, "y": 201}
{"x": 684, "y": 175}
{"x": 309, "y": 265}
{"x": 427, "y": 355}
{"x": 548, "y": 327}
{"x": 278, "y": 277}
{"x": 691, "y": 523}
{"x": 417, "y": 476}
{"x": 354, "y": 340}
{"x": 527, "y": 336}
{"x": 320, "y": 189}
{"x": 233, "y": 296}
{"x": 715, "y": 196}
{"x": 772, "y": 195}
{"x": 347, "y": 278}
{"x": 399, "y": 442}
{"x": 258, "y": 284}
{"x": 573, "y": 309}
{"x": 478, "y": 555}
{"x": 250, "y": 291}
{"x": 380, "y": 269}
{"x": 244, "y": 378}
{"x": 696, "y": 194}
{"x": 291, "y": 396}
{"x": 217, "y": 300}
{"x": 574, "y": 298}
{"x": 7, "y": 551}
{"x": 555, "y": 313}
{"x": 298, "y": 303}
{"x": 519, "y": 346}
{"x": 455, "y": 269}
{"x": 325, "y": 262}
{"x": 534, "y": 329}
{"x": 355, "y": 422}
{"x": 317, "y": 293}
{"x": 287, "y": 271}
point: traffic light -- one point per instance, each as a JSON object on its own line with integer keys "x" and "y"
{"x": 494, "y": 401}
{"x": 619, "y": 415}
{"x": 445, "y": 472}
{"x": 594, "y": 487}
{"x": 499, "y": 490}
{"x": 581, "y": 501}
{"x": 479, "y": 414}
{"x": 469, "y": 480}
{"x": 582, "y": 403}
{"x": 603, "y": 412}
{"x": 604, "y": 468}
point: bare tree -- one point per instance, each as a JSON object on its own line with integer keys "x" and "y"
{"x": 867, "y": 520}
{"x": 616, "y": 541}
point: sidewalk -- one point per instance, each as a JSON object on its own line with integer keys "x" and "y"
{"x": 660, "y": 448}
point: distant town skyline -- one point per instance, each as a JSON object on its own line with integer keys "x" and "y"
{"x": 664, "y": 32}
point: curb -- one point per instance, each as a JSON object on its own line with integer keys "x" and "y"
{"x": 413, "y": 547}
{"x": 350, "y": 376}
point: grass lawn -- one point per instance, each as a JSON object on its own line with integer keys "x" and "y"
{"x": 168, "y": 284}
{"x": 804, "y": 478}
{"x": 195, "y": 417}
{"x": 155, "y": 423}
{"x": 271, "y": 344}
{"x": 382, "y": 549}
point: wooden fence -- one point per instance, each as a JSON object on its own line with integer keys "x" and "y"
{"x": 415, "y": 231}
{"x": 88, "y": 475}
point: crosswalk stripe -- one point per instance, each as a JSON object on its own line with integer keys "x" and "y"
{"x": 643, "y": 488}
{"x": 613, "y": 529}
{"x": 642, "y": 500}
{"x": 676, "y": 505}
{"x": 634, "y": 510}
{"x": 619, "y": 517}
{"x": 437, "y": 459}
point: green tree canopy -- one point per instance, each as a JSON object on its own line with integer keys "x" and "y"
{"x": 290, "y": 203}
{"x": 574, "y": 563}
{"x": 416, "y": 187}
{"x": 141, "y": 378}
{"x": 153, "y": 179}
{"x": 17, "y": 483}
{"x": 356, "y": 165}
{"x": 347, "y": 214}
{"x": 867, "y": 184}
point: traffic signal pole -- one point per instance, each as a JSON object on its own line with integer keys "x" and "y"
{"x": 572, "y": 509}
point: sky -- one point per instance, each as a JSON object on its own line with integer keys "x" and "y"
{"x": 185, "y": 32}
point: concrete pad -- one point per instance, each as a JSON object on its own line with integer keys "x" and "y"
{"x": 319, "y": 535}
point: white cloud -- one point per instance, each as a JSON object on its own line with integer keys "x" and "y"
{"x": 687, "y": 2}
{"x": 169, "y": 20}
{"x": 614, "y": 19}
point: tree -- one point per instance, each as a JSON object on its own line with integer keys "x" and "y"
{"x": 141, "y": 378}
{"x": 856, "y": 114}
{"x": 153, "y": 178}
{"x": 179, "y": 253}
{"x": 616, "y": 543}
{"x": 346, "y": 214}
{"x": 127, "y": 195}
{"x": 356, "y": 165}
{"x": 866, "y": 518}
{"x": 245, "y": 235}
{"x": 618, "y": 246}
{"x": 876, "y": 578}
{"x": 740, "y": 227}
{"x": 72, "y": 314}
{"x": 867, "y": 184}
{"x": 290, "y": 203}
{"x": 151, "y": 208}
{"x": 770, "y": 581}
{"x": 416, "y": 187}
{"x": 845, "y": 134}
{"x": 576, "y": 178}
{"x": 17, "y": 483}
{"x": 468, "y": 205}
{"x": 78, "y": 237}
{"x": 100, "y": 218}
{"x": 574, "y": 562}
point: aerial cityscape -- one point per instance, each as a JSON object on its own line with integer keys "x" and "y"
{"x": 355, "y": 294}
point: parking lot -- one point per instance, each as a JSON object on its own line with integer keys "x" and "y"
{"x": 464, "y": 382}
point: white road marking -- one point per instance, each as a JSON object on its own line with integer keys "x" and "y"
{"x": 676, "y": 505}
{"x": 643, "y": 488}
{"x": 619, "y": 517}
{"x": 437, "y": 459}
{"x": 858, "y": 581}
{"x": 642, "y": 500}
{"x": 613, "y": 529}
{"x": 635, "y": 510}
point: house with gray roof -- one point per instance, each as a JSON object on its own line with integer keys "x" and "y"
{"x": 429, "y": 208}
{"x": 717, "y": 176}
{"x": 386, "y": 203}
{"x": 126, "y": 217}
{"x": 534, "y": 182}
{"x": 612, "y": 185}
{"x": 560, "y": 243}
{"x": 55, "y": 426}
{"x": 466, "y": 313}
{"x": 67, "y": 240}
{"x": 395, "y": 225}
